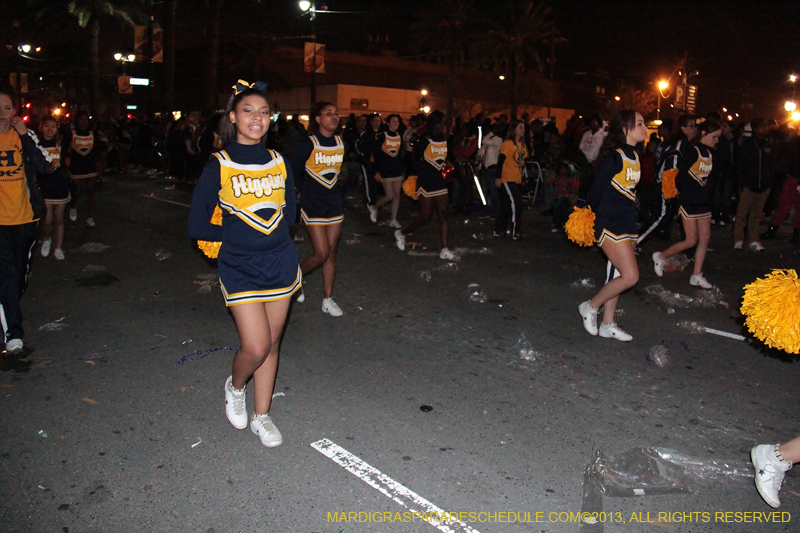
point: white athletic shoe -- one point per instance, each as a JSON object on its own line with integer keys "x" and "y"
{"x": 235, "y": 408}
{"x": 658, "y": 264}
{"x": 612, "y": 331}
{"x": 395, "y": 224}
{"x": 400, "y": 239}
{"x": 73, "y": 214}
{"x": 769, "y": 472}
{"x": 330, "y": 307}
{"x": 448, "y": 255}
{"x": 90, "y": 222}
{"x": 46, "y": 246}
{"x": 302, "y": 296}
{"x": 738, "y": 245}
{"x": 14, "y": 346}
{"x": 58, "y": 254}
{"x": 263, "y": 426}
{"x": 697, "y": 280}
{"x": 373, "y": 213}
{"x": 589, "y": 316}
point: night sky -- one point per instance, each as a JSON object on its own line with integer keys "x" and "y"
{"x": 744, "y": 51}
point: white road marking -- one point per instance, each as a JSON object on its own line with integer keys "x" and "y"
{"x": 165, "y": 200}
{"x": 387, "y": 486}
{"x": 725, "y": 334}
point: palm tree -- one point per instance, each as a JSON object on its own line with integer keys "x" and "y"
{"x": 513, "y": 40}
{"x": 444, "y": 31}
{"x": 90, "y": 13}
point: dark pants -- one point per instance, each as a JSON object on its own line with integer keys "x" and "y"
{"x": 662, "y": 224}
{"x": 370, "y": 185}
{"x": 490, "y": 192}
{"x": 510, "y": 208}
{"x": 562, "y": 209}
{"x": 16, "y": 243}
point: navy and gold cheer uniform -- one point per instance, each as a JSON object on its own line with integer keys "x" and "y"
{"x": 387, "y": 156}
{"x": 54, "y": 185}
{"x": 317, "y": 164}
{"x": 613, "y": 197}
{"x": 430, "y": 154}
{"x": 691, "y": 183}
{"x": 257, "y": 260}
{"x": 82, "y": 162}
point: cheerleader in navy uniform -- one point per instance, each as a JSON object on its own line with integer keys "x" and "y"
{"x": 430, "y": 155}
{"x": 54, "y": 185}
{"x": 389, "y": 164}
{"x": 612, "y": 198}
{"x": 83, "y": 166}
{"x": 258, "y": 264}
{"x": 695, "y": 208}
{"x": 317, "y": 163}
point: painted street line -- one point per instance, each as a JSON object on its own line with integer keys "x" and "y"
{"x": 164, "y": 200}
{"x": 389, "y": 487}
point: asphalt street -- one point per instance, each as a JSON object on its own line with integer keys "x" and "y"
{"x": 113, "y": 421}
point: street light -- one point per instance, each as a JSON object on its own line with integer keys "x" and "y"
{"x": 305, "y": 6}
{"x": 661, "y": 86}
{"x": 790, "y": 106}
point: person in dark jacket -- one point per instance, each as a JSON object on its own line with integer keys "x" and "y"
{"x": 754, "y": 173}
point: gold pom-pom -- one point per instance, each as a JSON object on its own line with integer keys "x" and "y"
{"x": 211, "y": 249}
{"x": 580, "y": 226}
{"x": 378, "y": 177}
{"x": 772, "y": 308}
{"x": 410, "y": 187}
{"x": 668, "y": 188}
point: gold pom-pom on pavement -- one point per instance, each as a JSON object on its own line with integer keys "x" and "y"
{"x": 772, "y": 307}
{"x": 668, "y": 188}
{"x": 580, "y": 226}
{"x": 410, "y": 187}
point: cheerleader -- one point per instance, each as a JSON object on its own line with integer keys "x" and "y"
{"x": 54, "y": 185}
{"x": 258, "y": 265}
{"x": 317, "y": 163}
{"x": 430, "y": 154}
{"x": 82, "y": 166}
{"x": 612, "y": 198}
{"x": 695, "y": 209}
{"x": 389, "y": 164}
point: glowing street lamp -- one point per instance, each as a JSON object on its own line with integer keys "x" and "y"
{"x": 796, "y": 115}
{"x": 304, "y": 5}
{"x": 661, "y": 86}
{"x": 790, "y": 106}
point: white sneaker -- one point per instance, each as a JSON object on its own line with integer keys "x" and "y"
{"x": 448, "y": 255}
{"x": 395, "y": 224}
{"x": 400, "y": 239}
{"x": 90, "y": 222}
{"x": 769, "y": 472}
{"x": 589, "y": 317}
{"x": 658, "y": 264}
{"x": 263, "y": 426}
{"x": 235, "y": 408}
{"x": 738, "y": 245}
{"x": 756, "y": 247}
{"x": 302, "y": 297}
{"x": 330, "y": 307}
{"x": 612, "y": 331}
{"x": 46, "y": 246}
{"x": 73, "y": 214}
{"x": 14, "y": 346}
{"x": 697, "y": 280}
{"x": 58, "y": 254}
{"x": 373, "y": 213}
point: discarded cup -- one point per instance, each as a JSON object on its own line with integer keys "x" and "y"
{"x": 524, "y": 349}
{"x": 425, "y": 275}
{"x": 204, "y": 289}
{"x": 659, "y": 355}
{"x": 476, "y": 294}
{"x": 585, "y": 283}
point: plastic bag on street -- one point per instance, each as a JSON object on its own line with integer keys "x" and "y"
{"x": 476, "y": 293}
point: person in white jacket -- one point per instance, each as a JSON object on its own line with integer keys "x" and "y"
{"x": 592, "y": 139}
{"x": 488, "y": 153}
